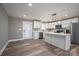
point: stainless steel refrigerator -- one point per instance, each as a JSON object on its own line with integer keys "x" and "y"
{"x": 75, "y": 33}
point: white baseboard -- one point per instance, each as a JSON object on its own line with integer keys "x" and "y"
{"x": 12, "y": 40}
{"x": 1, "y": 51}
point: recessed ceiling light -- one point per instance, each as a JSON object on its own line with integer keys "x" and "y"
{"x": 24, "y": 15}
{"x": 66, "y": 14}
{"x": 30, "y": 4}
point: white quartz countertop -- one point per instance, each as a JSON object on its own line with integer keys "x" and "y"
{"x": 56, "y": 33}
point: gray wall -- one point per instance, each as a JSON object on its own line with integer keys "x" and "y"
{"x": 14, "y": 25}
{"x": 3, "y": 27}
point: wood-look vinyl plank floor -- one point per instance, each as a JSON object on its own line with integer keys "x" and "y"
{"x": 37, "y": 48}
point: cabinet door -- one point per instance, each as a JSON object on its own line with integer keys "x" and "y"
{"x": 53, "y": 25}
{"x": 66, "y": 23}
{"x": 37, "y": 24}
{"x": 48, "y": 38}
{"x": 49, "y": 25}
{"x": 36, "y": 34}
{"x": 74, "y": 20}
{"x": 43, "y": 26}
{"x": 46, "y": 25}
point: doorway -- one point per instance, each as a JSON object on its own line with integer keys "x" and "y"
{"x": 27, "y": 30}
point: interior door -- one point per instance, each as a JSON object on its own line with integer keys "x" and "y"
{"x": 27, "y": 30}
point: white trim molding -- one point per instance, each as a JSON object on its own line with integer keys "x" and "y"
{"x": 1, "y": 51}
{"x": 12, "y": 40}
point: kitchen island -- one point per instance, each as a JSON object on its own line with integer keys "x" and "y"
{"x": 61, "y": 40}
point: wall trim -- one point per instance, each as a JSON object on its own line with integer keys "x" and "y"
{"x": 1, "y": 51}
{"x": 12, "y": 40}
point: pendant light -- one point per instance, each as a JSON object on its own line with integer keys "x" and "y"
{"x": 54, "y": 18}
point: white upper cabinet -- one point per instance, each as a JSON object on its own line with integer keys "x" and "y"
{"x": 37, "y": 24}
{"x": 43, "y": 26}
{"x": 68, "y": 22}
{"x": 74, "y": 20}
{"x": 46, "y": 25}
{"x": 49, "y": 25}
{"x": 65, "y": 24}
{"x": 53, "y": 25}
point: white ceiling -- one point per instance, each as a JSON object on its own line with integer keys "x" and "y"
{"x": 42, "y": 11}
